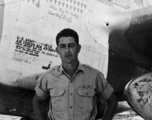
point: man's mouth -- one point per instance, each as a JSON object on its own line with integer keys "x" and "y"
{"x": 68, "y": 55}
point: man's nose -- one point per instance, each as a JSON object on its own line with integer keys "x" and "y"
{"x": 67, "y": 49}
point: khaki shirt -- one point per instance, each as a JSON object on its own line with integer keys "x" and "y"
{"x": 73, "y": 98}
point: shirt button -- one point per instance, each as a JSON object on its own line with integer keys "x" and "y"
{"x": 71, "y": 94}
{"x": 71, "y": 107}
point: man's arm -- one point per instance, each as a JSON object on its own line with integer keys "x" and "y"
{"x": 111, "y": 107}
{"x": 38, "y": 108}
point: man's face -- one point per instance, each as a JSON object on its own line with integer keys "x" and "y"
{"x": 68, "y": 49}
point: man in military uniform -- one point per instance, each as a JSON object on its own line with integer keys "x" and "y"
{"x": 73, "y": 88}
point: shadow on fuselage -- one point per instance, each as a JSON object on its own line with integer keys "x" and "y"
{"x": 17, "y": 100}
{"x": 125, "y": 62}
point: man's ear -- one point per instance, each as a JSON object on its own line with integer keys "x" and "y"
{"x": 79, "y": 48}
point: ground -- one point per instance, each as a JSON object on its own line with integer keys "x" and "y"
{"x": 125, "y": 112}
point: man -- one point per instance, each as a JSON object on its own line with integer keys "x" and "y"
{"x": 73, "y": 88}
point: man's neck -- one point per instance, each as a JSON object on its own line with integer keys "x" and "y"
{"x": 70, "y": 68}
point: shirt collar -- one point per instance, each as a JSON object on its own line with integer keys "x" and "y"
{"x": 60, "y": 69}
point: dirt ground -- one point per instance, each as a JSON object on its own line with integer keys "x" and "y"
{"x": 125, "y": 112}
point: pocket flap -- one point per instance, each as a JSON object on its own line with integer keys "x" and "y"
{"x": 86, "y": 91}
{"x": 56, "y": 92}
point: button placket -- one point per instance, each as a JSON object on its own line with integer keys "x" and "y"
{"x": 71, "y": 100}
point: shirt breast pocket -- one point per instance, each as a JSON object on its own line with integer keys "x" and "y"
{"x": 57, "y": 99}
{"x": 85, "y": 98}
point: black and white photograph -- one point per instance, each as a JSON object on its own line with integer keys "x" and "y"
{"x": 75, "y": 59}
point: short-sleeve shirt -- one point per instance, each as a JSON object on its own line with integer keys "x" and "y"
{"x": 73, "y": 98}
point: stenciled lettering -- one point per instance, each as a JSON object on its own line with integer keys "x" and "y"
{"x": 31, "y": 47}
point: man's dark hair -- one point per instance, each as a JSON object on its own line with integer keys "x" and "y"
{"x": 67, "y": 33}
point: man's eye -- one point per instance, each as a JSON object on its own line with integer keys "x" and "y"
{"x": 62, "y": 46}
{"x": 72, "y": 45}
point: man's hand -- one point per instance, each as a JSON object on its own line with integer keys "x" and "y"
{"x": 38, "y": 108}
{"x": 111, "y": 107}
